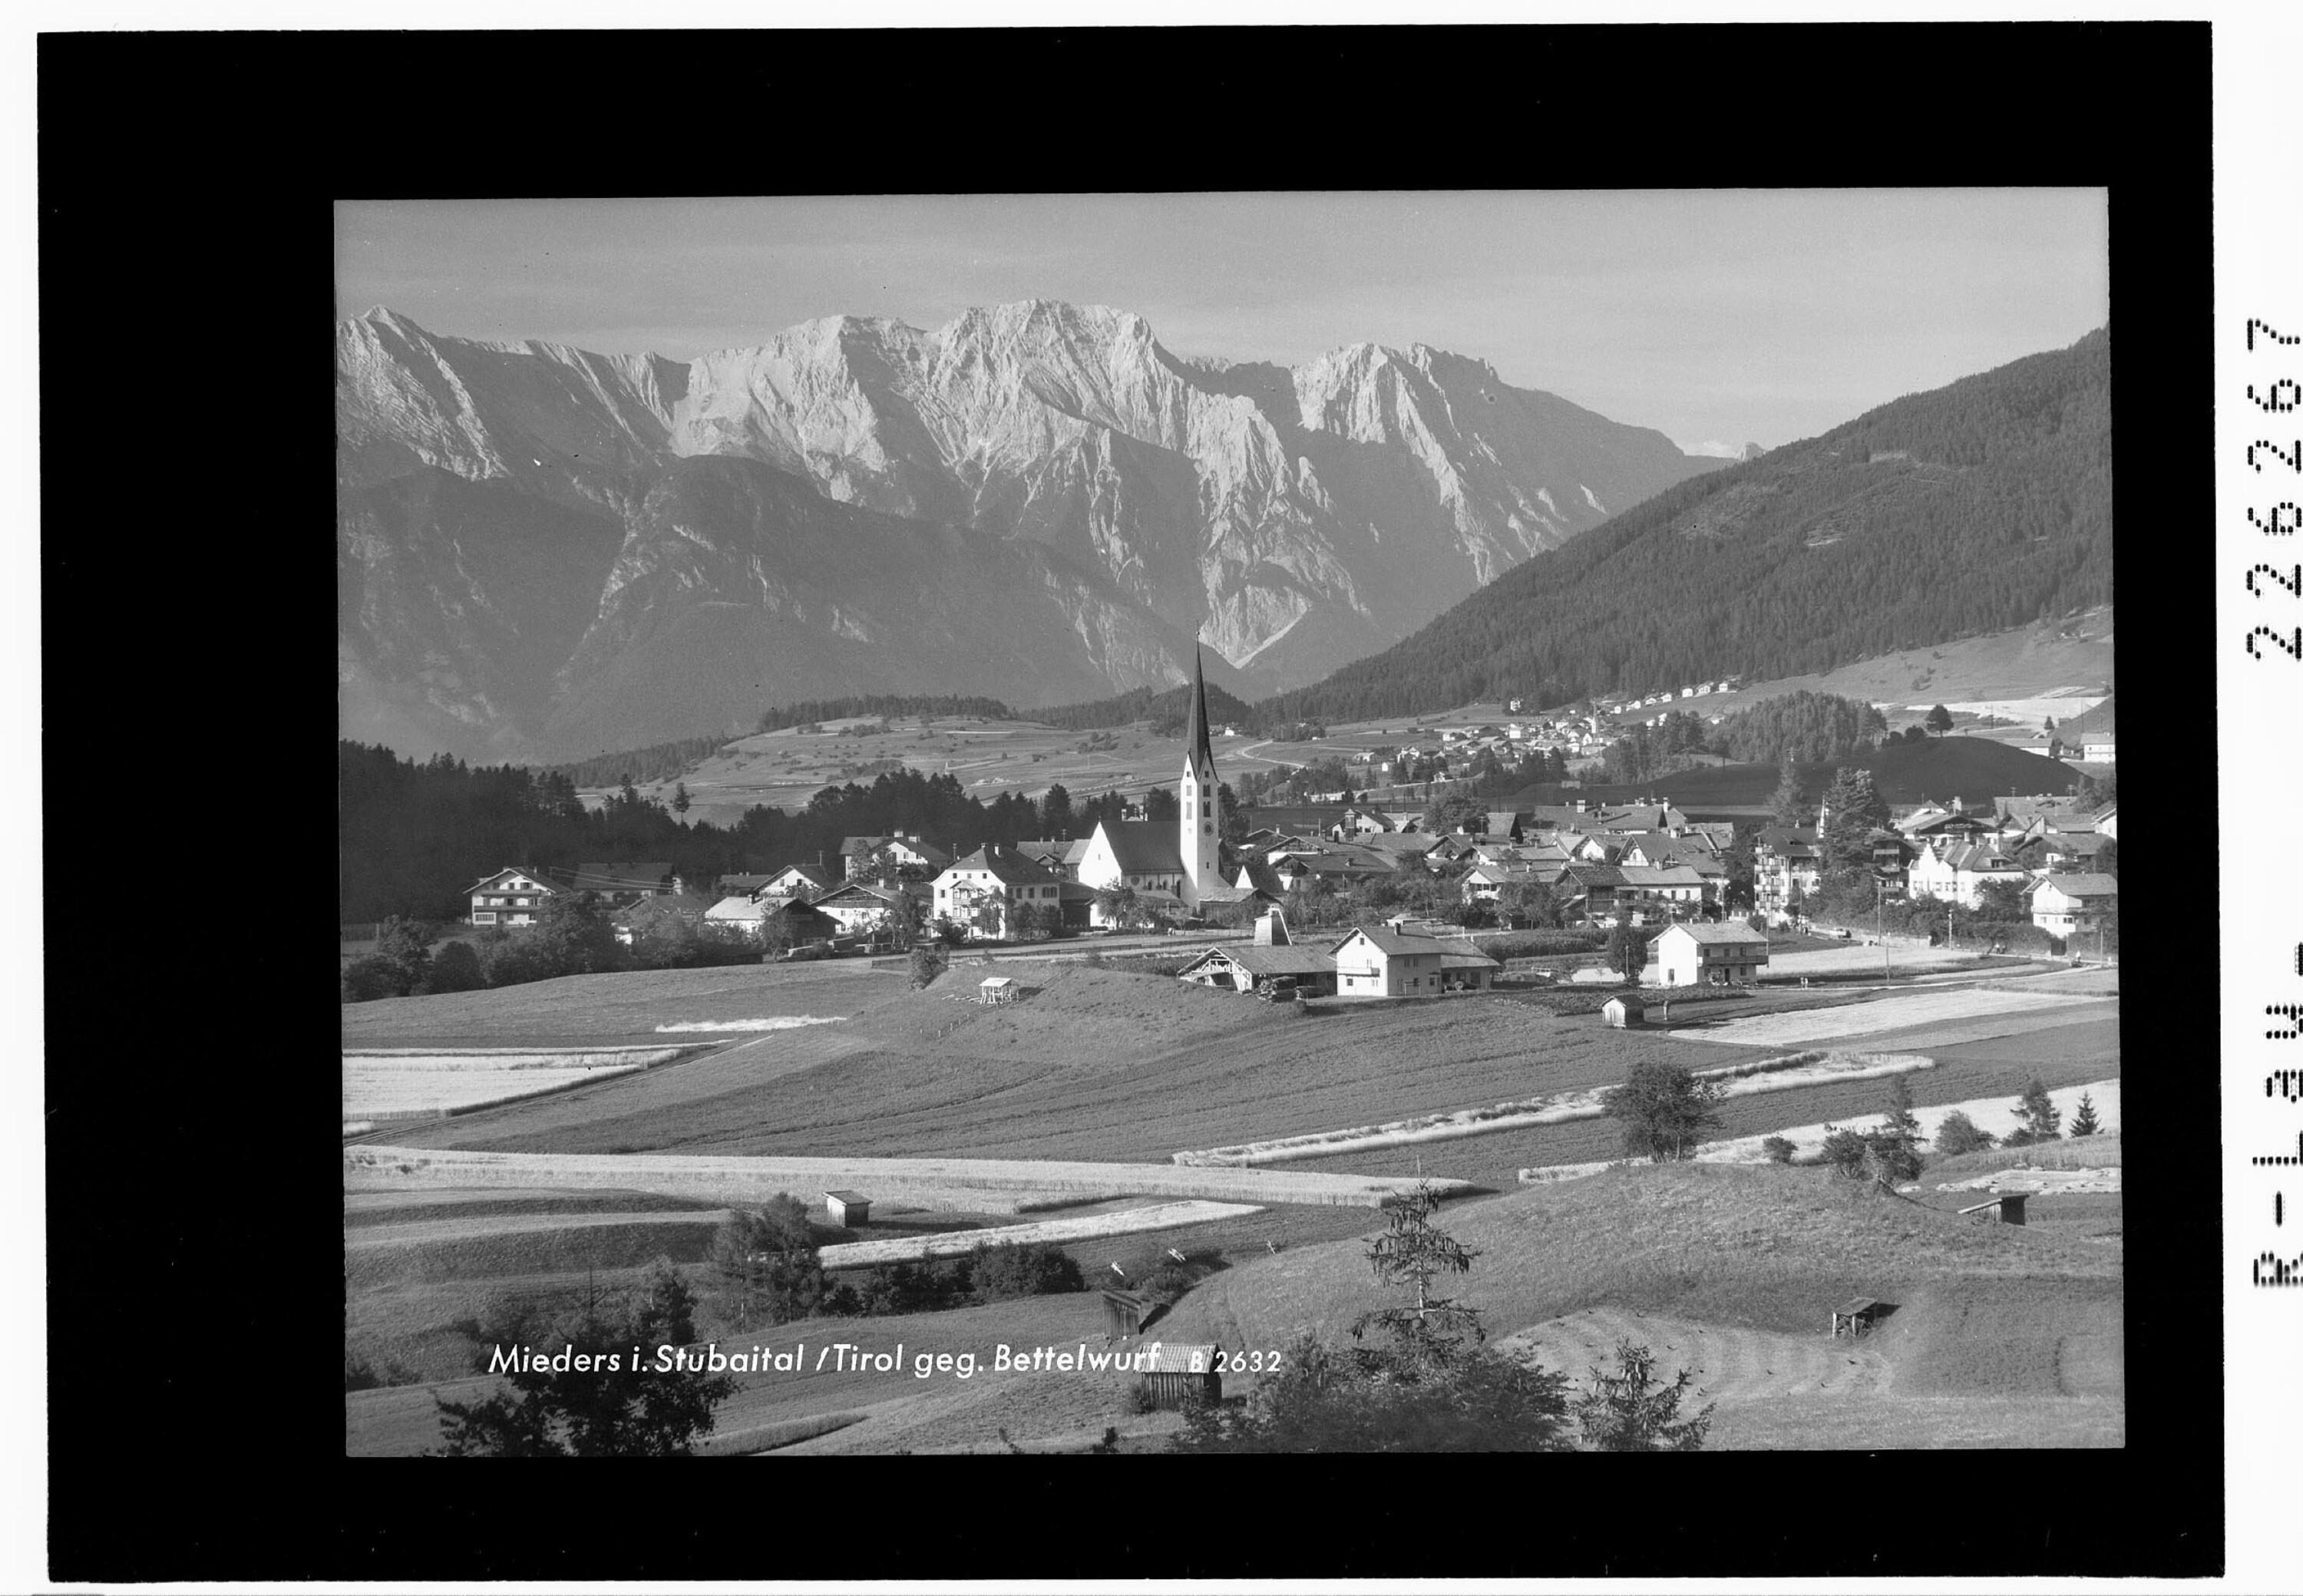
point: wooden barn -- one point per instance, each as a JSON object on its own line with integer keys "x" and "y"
{"x": 849, "y": 1210}
{"x": 1623, "y": 1012}
{"x": 1173, "y": 1375}
{"x": 2005, "y": 1209}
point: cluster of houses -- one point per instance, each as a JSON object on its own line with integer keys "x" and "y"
{"x": 1647, "y": 861}
{"x": 2048, "y": 846}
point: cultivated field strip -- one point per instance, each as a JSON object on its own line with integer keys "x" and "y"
{"x": 1886, "y": 1014}
{"x": 1993, "y": 1114}
{"x": 984, "y": 1184}
{"x": 1791, "y": 1073}
{"x": 405, "y": 1083}
{"x": 1127, "y": 1221}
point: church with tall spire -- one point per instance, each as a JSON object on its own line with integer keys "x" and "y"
{"x": 1186, "y": 862}
{"x": 1200, "y": 837}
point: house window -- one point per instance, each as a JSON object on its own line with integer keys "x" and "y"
{"x": 483, "y": 917}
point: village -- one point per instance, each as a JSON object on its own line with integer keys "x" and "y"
{"x": 1710, "y": 899}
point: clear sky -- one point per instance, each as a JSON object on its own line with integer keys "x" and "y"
{"x": 1720, "y": 316}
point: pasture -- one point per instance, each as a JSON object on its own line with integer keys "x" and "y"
{"x": 2001, "y": 1335}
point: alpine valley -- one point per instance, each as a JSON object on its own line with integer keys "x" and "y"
{"x": 543, "y": 553}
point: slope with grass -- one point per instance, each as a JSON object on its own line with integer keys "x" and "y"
{"x": 2000, "y": 1335}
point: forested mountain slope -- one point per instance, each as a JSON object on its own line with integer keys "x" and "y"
{"x": 1982, "y": 506}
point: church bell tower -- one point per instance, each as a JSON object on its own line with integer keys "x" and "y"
{"x": 1202, "y": 820}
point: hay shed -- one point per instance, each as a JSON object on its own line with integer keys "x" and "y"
{"x": 849, "y": 1210}
{"x": 2005, "y": 1209}
{"x": 1857, "y": 1316}
{"x": 1622, "y": 1012}
{"x": 998, "y": 989}
{"x": 1175, "y": 1375}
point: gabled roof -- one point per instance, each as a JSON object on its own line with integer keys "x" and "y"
{"x": 860, "y": 893}
{"x": 543, "y": 883}
{"x": 1657, "y": 875}
{"x": 687, "y": 906}
{"x": 1006, "y": 867}
{"x": 736, "y": 908}
{"x": 1259, "y": 877}
{"x": 1259, "y": 961}
{"x": 2082, "y": 883}
{"x": 1143, "y": 847}
{"x": 1732, "y": 933}
{"x": 1389, "y": 941}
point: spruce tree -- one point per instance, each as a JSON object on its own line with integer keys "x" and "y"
{"x": 2084, "y": 1123}
{"x": 1427, "y": 1336}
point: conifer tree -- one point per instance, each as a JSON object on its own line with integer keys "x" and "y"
{"x": 2084, "y": 1123}
{"x": 1428, "y": 1336}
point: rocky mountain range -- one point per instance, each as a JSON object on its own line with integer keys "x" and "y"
{"x": 544, "y": 552}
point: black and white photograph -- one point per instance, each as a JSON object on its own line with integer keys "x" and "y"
{"x": 1072, "y": 737}
{"x": 1229, "y": 822}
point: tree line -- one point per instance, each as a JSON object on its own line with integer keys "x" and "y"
{"x": 412, "y": 836}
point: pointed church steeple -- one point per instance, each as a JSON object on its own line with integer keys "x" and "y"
{"x": 1199, "y": 823}
{"x": 1196, "y": 734}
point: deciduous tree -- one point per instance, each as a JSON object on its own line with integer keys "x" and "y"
{"x": 1663, "y": 1109}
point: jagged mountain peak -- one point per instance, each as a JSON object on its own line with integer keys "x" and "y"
{"x": 1292, "y": 518}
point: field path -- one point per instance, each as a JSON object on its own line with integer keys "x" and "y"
{"x": 1731, "y": 1365}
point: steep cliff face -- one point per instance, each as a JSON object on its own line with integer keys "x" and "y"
{"x": 1292, "y": 520}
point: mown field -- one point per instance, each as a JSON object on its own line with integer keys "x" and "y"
{"x": 1103, "y": 1065}
{"x": 1095, "y": 1064}
{"x": 2066, "y": 1055}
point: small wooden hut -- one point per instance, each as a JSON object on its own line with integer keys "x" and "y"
{"x": 996, "y": 989}
{"x": 1625, "y": 1011}
{"x": 849, "y": 1210}
{"x": 1173, "y": 1375}
{"x": 2005, "y": 1209}
{"x": 1857, "y": 1316}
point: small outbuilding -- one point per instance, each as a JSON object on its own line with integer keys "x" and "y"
{"x": 850, "y": 1211}
{"x": 998, "y": 989}
{"x": 2005, "y": 1209}
{"x": 1622, "y": 1012}
{"x": 1857, "y": 1316}
{"x": 1172, "y": 1376}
